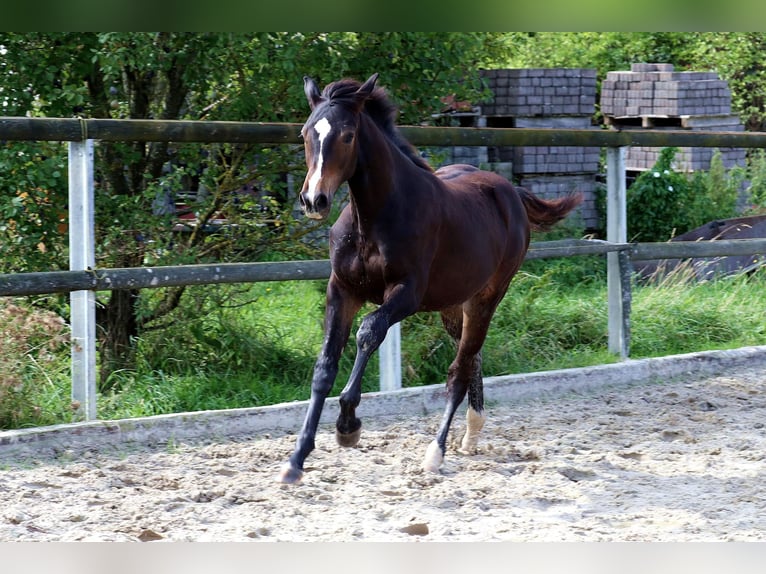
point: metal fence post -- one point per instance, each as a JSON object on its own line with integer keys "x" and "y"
{"x": 82, "y": 256}
{"x": 390, "y": 356}
{"x": 616, "y": 232}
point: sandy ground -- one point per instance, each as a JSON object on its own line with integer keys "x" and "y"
{"x": 680, "y": 461}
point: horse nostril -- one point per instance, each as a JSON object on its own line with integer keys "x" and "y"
{"x": 320, "y": 203}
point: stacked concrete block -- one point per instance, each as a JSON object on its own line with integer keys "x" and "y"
{"x": 543, "y": 98}
{"x": 555, "y": 159}
{"x": 546, "y": 98}
{"x": 655, "y": 96}
{"x": 472, "y": 155}
{"x": 656, "y": 90}
{"x": 469, "y": 154}
{"x": 541, "y": 92}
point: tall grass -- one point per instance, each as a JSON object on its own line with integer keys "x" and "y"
{"x": 679, "y": 314}
{"x": 256, "y": 345}
{"x": 33, "y": 363}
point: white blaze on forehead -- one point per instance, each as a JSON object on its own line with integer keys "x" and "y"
{"x": 322, "y": 128}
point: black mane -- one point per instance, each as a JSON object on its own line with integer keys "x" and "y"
{"x": 380, "y": 109}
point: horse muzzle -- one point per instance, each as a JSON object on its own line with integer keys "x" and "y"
{"x": 315, "y": 205}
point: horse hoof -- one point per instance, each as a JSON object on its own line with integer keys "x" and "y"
{"x": 348, "y": 440}
{"x": 469, "y": 444}
{"x": 288, "y": 474}
{"x": 475, "y": 422}
{"x": 434, "y": 458}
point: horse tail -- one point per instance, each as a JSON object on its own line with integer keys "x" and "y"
{"x": 545, "y": 213}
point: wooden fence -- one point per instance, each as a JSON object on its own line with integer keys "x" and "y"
{"x": 84, "y": 279}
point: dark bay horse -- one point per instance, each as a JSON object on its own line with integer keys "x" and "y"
{"x": 409, "y": 240}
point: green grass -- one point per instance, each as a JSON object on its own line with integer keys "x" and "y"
{"x": 678, "y": 316}
{"x": 256, "y": 345}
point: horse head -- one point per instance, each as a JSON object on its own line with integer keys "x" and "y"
{"x": 330, "y": 140}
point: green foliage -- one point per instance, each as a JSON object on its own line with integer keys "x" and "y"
{"x": 565, "y": 272}
{"x": 33, "y": 193}
{"x": 663, "y": 203}
{"x": 34, "y": 367}
{"x": 604, "y": 51}
{"x": 756, "y": 178}
{"x": 681, "y": 315}
{"x": 251, "y": 346}
{"x": 716, "y": 191}
{"x": 738, "y": 58}
{"x": 660, "y": 202}
{"x": 540, "y": 324}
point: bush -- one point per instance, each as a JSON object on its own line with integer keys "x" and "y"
{"x": 663, "y": 203}
{"x": 756, "y": 176}
{"x": 34, "y": 367}
{"x": 660, "y": 202}
{"x": 715, "y": 191}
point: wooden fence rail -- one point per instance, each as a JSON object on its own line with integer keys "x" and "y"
{"x": 155, "y": 277}
{"x": 684, "y": 249}
{"x": 73, "y": 129}
{"x": 19, "y": 284}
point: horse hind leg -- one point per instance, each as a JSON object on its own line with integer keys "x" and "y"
{"x": 474, "y": 416}
{"x": 456, "y": 389}
{"x": 458, "y": 380}
{"x": 464, "y": 375}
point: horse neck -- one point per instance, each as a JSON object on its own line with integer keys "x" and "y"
{"x": 380, "y": 165}
{"x": 374, "y": 180}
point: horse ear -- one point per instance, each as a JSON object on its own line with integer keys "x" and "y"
{"x": 366, "y": 89}
{"x": 312, "y": 92}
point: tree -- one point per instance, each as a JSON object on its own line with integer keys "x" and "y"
{"x": 604, "y": 51}
{"x": 738, "y": 58}
{"x": 213, "y": 76}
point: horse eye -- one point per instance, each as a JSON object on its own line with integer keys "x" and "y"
{"x": 348, "y": 138}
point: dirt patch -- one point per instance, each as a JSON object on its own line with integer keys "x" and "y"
{"x": 651, "y": 462}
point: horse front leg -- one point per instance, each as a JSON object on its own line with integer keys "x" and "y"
{"x": 339, "y": 314}
{"x": 369, "y": 337}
